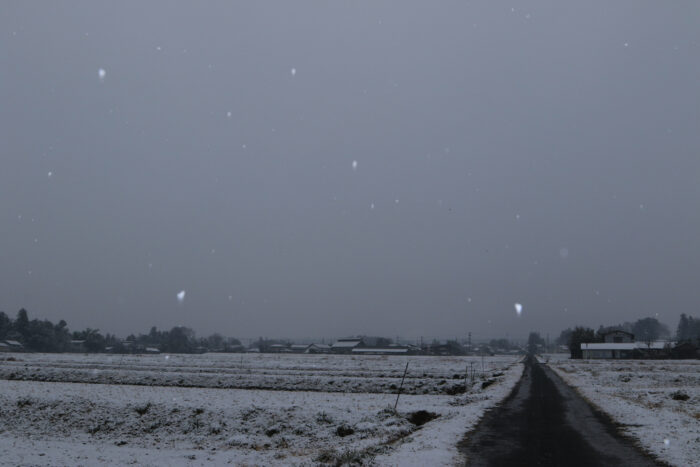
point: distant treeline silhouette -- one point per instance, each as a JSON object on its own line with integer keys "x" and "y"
{"x": 44, "y": 336}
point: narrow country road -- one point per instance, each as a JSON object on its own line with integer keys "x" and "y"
{"x": 546, "y": 423}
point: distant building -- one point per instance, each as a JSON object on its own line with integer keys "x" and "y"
{"x": 14, "y": 346}
{"x": 616, "y": 350}
{"x": 278, "y": 348}
{"x": 318, "y": 348}
{"x": 298, "y": 348}
{"x": 618, "y": 336}
{"x": 394, "y": 350}
{"x": 346, "y": 345}
{"x": 77, "y": 345}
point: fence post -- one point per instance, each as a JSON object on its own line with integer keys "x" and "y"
{"x": 466, "y": 373}
{"x": 400, "y": 387}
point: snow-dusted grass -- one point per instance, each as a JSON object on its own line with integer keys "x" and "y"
{"x": 154, "y": 422}
{"x": 646, "y": 397}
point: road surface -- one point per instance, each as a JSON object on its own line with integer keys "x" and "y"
{"x": 546, "y": 423}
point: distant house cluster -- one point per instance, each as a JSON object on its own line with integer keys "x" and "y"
{"x": 351, "y": 345}
{"x": 367, "y": 345}
{"x": 618, "y": 344}
{"x": 297, "y": 348}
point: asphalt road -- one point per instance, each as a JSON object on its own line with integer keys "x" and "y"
{"x": 546, "y": 423}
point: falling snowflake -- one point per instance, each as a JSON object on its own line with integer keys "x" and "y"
{"x": 293, "y": 71}
{"x": 354, "y": 165}
{"x": 181, "y": 296}
{"x": 564, "y": 252}
{"x": 667, "y": 442}
{"x": 50, "y": 174}
{"x": 102, "y": 73}
{"x": 518, "y": 309}
{"x": 229, "y": 114}
{"x": 371, "y": 206}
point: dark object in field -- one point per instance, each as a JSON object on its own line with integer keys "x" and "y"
{"x": 679, "y": 396}
{"x": 487, "y": 383}
{"x": 271, "y": 432}
{"x": 344, "y": 430}
{"x": 456, "y": 389}
{"x": 421, "y": 417}
{"x": 24, "y": 402}
{"x": 142, "y": 410}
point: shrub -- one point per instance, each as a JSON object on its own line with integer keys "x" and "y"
{"x": 679, "y": 396}
{"x": 421, "y": 417}
{"x": 344, "y": 430}
{"x": 142, "y": 410}
{"x": 487, "y": 383}
{"x": 24, "y": 402}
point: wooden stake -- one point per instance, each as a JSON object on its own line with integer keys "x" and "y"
{"x": 401, "y": 386}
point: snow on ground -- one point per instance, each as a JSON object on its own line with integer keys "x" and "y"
{"x": 295, "y": 372}
{"x": 647, "y": 398}
{"x": 436, "y": 444}
{"x": 57, "y": 423}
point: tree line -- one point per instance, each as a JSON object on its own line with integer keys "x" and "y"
{"x": 44, "y": 336}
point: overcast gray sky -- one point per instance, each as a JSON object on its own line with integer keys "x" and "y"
{"x": 536, "y": 152}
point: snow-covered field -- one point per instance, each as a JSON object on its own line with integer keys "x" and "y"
{"x": 655, "y": 401}
{"x": 241, "y": 409}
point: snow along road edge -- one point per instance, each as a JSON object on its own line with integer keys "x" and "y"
{"x": 436, "y": 443}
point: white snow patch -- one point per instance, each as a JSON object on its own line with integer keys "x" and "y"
{"x": 181, "y": 296}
